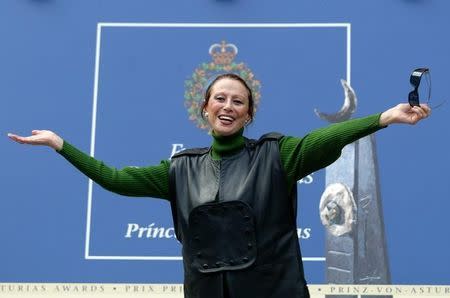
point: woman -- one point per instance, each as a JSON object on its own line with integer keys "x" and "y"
{"x": 234, "y": 204}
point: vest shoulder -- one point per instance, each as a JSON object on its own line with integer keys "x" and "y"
{"x": 192, "y": 151}
{"x": 271, "y": 136}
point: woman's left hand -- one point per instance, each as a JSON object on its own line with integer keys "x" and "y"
{"x": 404, "y": 113}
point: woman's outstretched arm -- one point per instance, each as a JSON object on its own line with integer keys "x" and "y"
{"x": 150, "y": 181}
{"x": 321, "y": 147}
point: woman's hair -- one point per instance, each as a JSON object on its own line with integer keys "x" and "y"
{"x": 232, "y": 76}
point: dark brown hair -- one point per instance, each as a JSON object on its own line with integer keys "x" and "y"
{"x": 232, "y": 76}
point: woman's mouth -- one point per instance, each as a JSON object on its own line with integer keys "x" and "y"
{"x": 226, "y": 119}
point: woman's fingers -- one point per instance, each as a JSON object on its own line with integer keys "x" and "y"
{"x": 423, "y": 111}
{"x": 34, "y": 139}
{"x": 20, "y": 139}
{"x": 426, "y": 108}
{"x": 14, "y": 137}
{"x": 419, "y": 112}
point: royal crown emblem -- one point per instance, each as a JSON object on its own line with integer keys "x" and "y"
{"x": 222, "y": 55}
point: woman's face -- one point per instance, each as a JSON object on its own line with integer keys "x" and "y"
{"x": 227, "y": 107}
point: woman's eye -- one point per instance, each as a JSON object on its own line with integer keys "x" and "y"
{"x": 220, "y": 98}
{"x": 238, "y": 102}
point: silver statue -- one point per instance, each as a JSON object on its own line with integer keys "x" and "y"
{"x": 350, "y": 209}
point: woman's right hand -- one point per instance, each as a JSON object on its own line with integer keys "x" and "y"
{"x": 40, "y": 137}
{"x": 404, "y": 113}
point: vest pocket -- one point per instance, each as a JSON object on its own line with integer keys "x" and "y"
{"x": 221, "y": 237}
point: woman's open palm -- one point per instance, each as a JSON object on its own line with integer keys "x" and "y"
{"x": 39, "y": 137}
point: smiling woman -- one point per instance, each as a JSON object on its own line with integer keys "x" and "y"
{"x": 228, "y": 104}
{"x": 228, "y": 108}
{"x": 234, "y": 203}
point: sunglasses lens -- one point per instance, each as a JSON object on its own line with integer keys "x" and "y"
{"x": 413, "y": 98}
{"x": 415, "y": 81}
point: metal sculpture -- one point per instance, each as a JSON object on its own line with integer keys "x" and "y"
{"x": 351, "y": 211}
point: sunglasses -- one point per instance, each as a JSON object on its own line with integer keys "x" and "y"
{"x": 414, "y": 79}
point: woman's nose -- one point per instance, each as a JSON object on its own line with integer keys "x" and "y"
{"x": 227, "y": 105}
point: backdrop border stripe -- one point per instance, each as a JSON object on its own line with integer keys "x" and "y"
{"x": 101, "y": 25}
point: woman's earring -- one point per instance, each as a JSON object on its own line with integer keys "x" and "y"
{"x": 206, "y": 114}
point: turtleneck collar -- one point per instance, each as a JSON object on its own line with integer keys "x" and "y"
{"x": 227, "y": 145}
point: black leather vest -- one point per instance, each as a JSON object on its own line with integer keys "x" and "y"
{"x": 237, "y": 223}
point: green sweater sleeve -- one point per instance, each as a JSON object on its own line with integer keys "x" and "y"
{"x": 320, "y": 148}
{"x": 151, "y": 181}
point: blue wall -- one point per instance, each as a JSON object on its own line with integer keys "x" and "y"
{"x": 47, "y": 63}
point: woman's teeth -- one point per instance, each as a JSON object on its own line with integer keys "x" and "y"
{"x": 226, "y": 118}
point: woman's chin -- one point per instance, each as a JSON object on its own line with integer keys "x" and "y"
{"x": 225, "y": 131}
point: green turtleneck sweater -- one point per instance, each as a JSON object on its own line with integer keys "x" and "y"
{"x": 299, "y": 157}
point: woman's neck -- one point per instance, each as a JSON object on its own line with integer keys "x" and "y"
{"x": 227, "y": 145}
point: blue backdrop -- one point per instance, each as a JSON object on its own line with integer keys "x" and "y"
{"x": 53, "y": 76}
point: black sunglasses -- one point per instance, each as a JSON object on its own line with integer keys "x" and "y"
{"x": 414, "y": 79}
